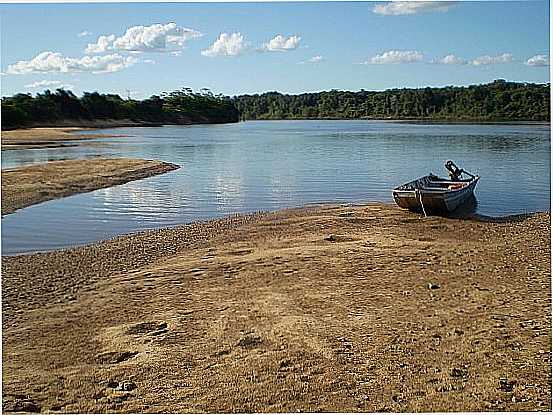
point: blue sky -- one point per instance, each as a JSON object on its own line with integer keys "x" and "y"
{"x": 233, "y": 48}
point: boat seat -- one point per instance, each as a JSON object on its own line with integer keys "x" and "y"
{"x": 456, "y": 186}
{"x": 451, "y": 186}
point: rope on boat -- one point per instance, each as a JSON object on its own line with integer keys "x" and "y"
{"x": 418, "y": 195}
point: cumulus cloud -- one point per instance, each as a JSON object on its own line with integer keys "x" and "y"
{"x": 228, "y": 44}
{"x": 282, "y": 44}
{"x": 84, "y": 33}
{"x": 491, "y": 60}
{"x": 397, "y": 8}
{"x": 538, "y": 60}
{"x": 102, "y": 44}
{"x": 56, "y": 62}
{"x": 450, "y": 60}
{"x": 396, "y": 56}
{"x": 154, "y": 38}
{"x": 46, "y": 84}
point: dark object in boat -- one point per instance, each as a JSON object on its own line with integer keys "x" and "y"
{"x": 434, "y": 194}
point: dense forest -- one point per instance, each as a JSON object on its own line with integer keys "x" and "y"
{"x": 496, "y": 101}
{"x": 63, "y": 107}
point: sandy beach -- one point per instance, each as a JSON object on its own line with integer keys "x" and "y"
{"x": 29, "y": 185}
{"x": 328, "y": 308}
{"x": 47, "y": 137}
{"x": 197, "y": 207}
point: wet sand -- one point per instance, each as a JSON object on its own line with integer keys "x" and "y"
{"x": 29, "y": 185}
{"x": 332, "y": 308}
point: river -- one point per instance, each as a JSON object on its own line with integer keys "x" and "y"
{"x": 269, "y": 165}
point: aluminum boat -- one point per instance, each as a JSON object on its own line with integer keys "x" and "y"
{"x": 433, "y": 194}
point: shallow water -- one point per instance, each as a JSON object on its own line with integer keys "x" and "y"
{"x": 268, "y": 165}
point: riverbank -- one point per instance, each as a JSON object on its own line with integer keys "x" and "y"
{"x": 47, "y": 137}
{"x": 332, "y": 308}
{"x": 407, "y": 120}
{"x": 29, "y": 185}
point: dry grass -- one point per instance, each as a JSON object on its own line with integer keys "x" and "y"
{"x": 25, "y": 186}
{"x": 268, "y": 313}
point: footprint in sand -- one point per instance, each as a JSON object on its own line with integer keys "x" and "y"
{"x": 250, "y": 340}
{"x": 107, "y": 358}
{"x": 339, "y": 238}
{"x": 239, "y": 252}
{"x": 153, "y": 328}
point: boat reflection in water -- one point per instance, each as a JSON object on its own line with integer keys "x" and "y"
{"x": 466, "y": 211}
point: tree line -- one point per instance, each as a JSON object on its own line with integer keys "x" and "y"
{"x": 179, "y": 107}
{"x": 496, "y": 101}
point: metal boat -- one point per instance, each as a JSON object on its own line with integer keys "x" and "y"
{"x": 433, "y": 194}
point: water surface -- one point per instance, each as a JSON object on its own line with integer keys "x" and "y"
{"x": 268, "y": 165}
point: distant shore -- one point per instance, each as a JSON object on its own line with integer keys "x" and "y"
{"x": 47, "y": 137}
{"x": 461, "y": 122}
{"x": 411, "y": 120}
{"x": 321, "y": 309}
{"x": 51, "y": 137}
{"x": 83, "y": 124}
{"x": 56, "y": 135}
{"x": 29, "y": 185}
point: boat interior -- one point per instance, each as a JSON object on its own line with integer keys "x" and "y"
{"x": 432, "y": 182}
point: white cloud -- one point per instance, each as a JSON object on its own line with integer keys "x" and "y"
{"x": 450, "y": 60}
{"x": 232, "y": 44}
{"x": 314, "y": 59}
{"x": 84, "y": 33}
{"x": 45, "y": 84}
{"x": 282, "y": 44}
{"x": 40, "y": 84}
{"x": 176, "y": 53}
{"x": 396, "y": 56}
{"x": 56, "y": 62}
{"x": 102, "y": 44}
{"x": 538, "y": 60}
{"x": 397, "y": 8}
{"x": 154, "y": 38}
{"x": 150, "y": 61}
{"x": 491, "y": 60}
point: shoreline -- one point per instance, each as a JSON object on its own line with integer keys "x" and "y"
{"x": 324, "y": 308}
{"x": 58, "y": 136}
{"x": 83, "y": 124}
{"x": 412, "y": 120}
{"x": 37, "y": 183}
{"x": 474, "y": 217}
{"x": 47, "y": 137}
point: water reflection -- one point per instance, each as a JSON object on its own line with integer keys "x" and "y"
{"x": 228, "y": 191}
{"x": 466, "y": 210}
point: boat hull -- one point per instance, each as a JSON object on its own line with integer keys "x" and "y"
{"x": 436, "y": 201}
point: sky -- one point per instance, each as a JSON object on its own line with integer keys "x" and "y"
{"x": 143, "y": 49}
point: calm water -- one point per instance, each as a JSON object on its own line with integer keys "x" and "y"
{"x": 266, "y": 165}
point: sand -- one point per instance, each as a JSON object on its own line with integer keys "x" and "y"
{"x": 47, "y": 137}
{"x": 28, "y": 185}
{"x": 330, "y": 308}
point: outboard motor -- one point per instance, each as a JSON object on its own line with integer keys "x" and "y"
{"x": 455, "y": 172}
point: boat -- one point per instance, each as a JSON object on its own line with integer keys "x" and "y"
{"x": 433, "y": 194}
